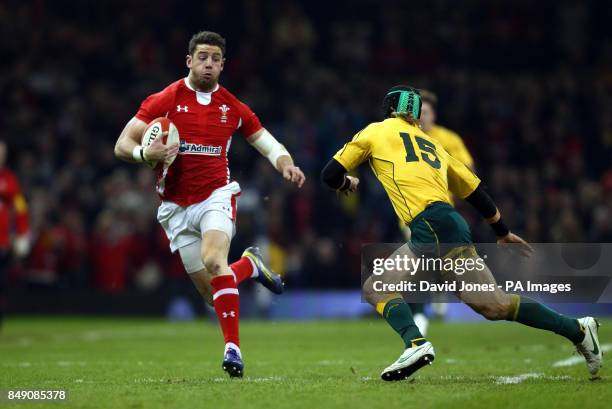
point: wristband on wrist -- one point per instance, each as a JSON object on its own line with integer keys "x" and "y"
{"x": 500, "y": 228}
{"x": 138, "y": 153}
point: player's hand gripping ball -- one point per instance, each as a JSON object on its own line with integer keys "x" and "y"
{"x": 160, "y": 141}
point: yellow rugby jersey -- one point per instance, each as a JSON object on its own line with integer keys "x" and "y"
{"x": 413, "y": 168}
{"x": 452, "y": 143}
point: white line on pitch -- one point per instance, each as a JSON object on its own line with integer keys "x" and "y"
{"x": 510, "y": 380}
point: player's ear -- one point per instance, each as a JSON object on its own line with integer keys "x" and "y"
{"x": 188, "y": 61}
{"x": 222, "y": 63}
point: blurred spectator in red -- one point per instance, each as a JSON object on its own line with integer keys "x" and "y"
{"x": 111, "y": 250}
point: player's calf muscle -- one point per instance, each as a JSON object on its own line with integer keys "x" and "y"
{"x": 201, "y": 280}
{"x": 497, "y": 308}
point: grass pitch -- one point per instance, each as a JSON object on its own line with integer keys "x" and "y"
{"x": 134, "y": 363}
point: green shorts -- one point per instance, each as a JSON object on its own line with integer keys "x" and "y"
{"x": 438, "y": 230}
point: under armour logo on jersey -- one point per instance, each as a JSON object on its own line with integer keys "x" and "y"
{"x": 224, "y": 109}
{"x": 229, "y": 314}
{"x": 181, "y": 108}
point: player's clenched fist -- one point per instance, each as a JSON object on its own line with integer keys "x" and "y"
{"x": 158, "y": 151}
{"x": 294, "y": 175}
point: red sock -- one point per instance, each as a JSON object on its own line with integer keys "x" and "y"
{"x": 227, "y": 306}
{"x": 243, "y": 269}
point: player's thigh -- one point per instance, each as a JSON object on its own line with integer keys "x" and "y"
{"x": 175, "y": 221}
{"x": 215, "y": 243}
{"x": 217, "y": 230}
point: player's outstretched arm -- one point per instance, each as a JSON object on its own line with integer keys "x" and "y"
{"x": 482, "y": 202}
{"x": 278, "y": 156}
{"x": 128, "y": 146}
{"x": 334, "y": 176}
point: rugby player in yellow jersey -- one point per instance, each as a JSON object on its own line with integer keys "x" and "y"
{"x": 418, "y": 176}
{"x": 453, "y": 144}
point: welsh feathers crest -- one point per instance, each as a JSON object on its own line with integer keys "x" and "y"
{"x": 224, "y": 109}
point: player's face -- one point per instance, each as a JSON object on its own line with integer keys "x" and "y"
{"x": 428, "y": 116}
{"x": 205, "y": 66}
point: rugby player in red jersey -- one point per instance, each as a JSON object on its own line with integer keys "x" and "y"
{"x": 13, "y": 222}
{"x": 198, "y": 209}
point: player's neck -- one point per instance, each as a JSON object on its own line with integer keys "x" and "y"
{"x": 196, "y": 87}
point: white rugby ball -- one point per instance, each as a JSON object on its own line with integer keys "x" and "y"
{"x": 155, "y": 128}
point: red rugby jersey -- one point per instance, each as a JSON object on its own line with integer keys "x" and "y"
{"x": 206, "y": 122}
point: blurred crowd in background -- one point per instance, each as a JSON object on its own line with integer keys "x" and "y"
{"x": 528, "y": 85}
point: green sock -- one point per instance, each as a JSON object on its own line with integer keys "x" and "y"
{"x": 417, "y": 308}
{"x": 399, "y": 316}
{"x": 536, "y": 315}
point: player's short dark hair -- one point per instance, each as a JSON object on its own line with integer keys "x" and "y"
{"x": 206, "y": 37}
{"x": 430, "y": 98}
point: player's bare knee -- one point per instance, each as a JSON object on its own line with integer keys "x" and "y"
{"x": 213, "y": 263}
{"x": 371, "y": 296}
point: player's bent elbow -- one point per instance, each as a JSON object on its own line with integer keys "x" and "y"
{"x": 325, "y": 180}
{"x": 119, "y": 145}
{"x": 332, "y": 174}
{"x": 120, "y": 153}
{"x": 117, "y": 151}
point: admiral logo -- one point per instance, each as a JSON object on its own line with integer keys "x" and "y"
{"x": 224, "y": 109}
{"x": 186, "y": 148}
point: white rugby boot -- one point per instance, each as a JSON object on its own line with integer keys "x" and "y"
{"x": 589, "y": 348}
{"x": 411, "y": 360}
